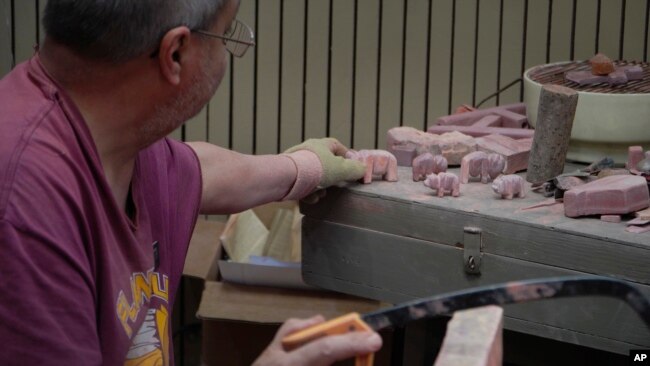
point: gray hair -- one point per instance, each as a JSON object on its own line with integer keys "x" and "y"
{"x": 119, "y": 30}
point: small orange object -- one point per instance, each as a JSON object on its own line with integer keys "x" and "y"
{"x": 464, "y": 109}
{"x": 601, "y": 65}
{"x": 351, "y": 322}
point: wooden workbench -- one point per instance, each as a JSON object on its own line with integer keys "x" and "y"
{"x": 397, "y": 241}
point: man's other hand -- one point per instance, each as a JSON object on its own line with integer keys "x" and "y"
{"x": 321, "y": 352}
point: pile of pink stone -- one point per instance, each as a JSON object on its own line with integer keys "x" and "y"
{"x": 604, "y": 71}
{"x": 492, "y": 144}
{"x": 613, "y": 193}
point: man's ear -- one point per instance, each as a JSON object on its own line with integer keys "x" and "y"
{"x": 172, "y": 49}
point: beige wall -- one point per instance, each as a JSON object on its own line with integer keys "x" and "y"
{"x": 398, "y": 69}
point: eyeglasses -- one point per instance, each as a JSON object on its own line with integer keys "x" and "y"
{"x": 237, "y": 38}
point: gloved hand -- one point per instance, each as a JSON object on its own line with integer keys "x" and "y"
{"x": 331, "y": 154}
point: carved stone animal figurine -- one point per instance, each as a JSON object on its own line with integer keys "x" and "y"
{"x": 509, "y": 186}
{"x": 378, "y": 162}
{"x": 480, "y": 164}
{"x": 443, "y": 183}
{"x": 426, "y": 164}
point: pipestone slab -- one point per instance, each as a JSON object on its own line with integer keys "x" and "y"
{"x": 633, "y": 72}
{"x": 426, "y": 164}
{"x": 610, "y": 218}
{"x": 619, "y": 76}
{"x": 378, "y": 163}
{"x": 509, "y": 186}
{"x": 585, "y": 77}
{"x": 516, "y": 152}
{"x": 443, "y": 183}
{"x": 470, "y": 118}
{"x": 613, "y": 195}
{"x": 454, "y": 145}
{"x": 474, "y": 337}
{"x": 407, "y": 142}
{"x": 509, "y": 120}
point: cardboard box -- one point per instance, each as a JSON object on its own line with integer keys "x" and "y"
{"x": 239, "y": 321}
{"x": 200, "y": 265}
{"x": 262, "y": 247}
{"x": 201, "y": 260}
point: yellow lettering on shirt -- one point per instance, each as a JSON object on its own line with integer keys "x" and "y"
{"x": 143, "y": 288}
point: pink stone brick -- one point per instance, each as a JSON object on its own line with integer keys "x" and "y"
{"x": 613, "y": 195}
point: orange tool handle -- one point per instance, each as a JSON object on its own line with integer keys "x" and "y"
{"x": 351, "y": 322}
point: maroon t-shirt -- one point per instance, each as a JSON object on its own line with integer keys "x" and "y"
{"x": 81, "y": 283}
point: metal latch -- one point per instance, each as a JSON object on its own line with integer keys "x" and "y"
{"x": 473, "y": 247}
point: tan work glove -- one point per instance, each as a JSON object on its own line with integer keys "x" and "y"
{"x": 331, "y": 154}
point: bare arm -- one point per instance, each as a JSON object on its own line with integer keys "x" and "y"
{"x": 234, "y": 182}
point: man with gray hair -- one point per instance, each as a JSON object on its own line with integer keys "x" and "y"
{"x": 97, "y": 206}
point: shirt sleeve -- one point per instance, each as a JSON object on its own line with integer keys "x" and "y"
{"x": 184, "y": 193}
{"x": 47, "y": 307}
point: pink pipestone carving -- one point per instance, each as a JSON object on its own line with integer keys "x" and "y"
{"x": 613, "y": 195}
{"x": 426, "y": 164}
{"x": 508, "y": 186}
{"x": 378, "y": 162}
{"x": 443, "y": 183}
{"x": 480, "y": 164}
{"x": 470, "y": 165}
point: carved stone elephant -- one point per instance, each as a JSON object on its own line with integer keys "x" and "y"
{"x": 378, "y": 162}
{"x": 426, "y": 164}
{"x": 480, "y": 164}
